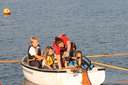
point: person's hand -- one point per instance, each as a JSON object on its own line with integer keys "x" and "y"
{"x": 67, "y": 54}
{"x": 39, "y": 58}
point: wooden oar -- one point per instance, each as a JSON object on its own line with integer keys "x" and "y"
{"x": 9, "y": 61}
{"x": 85, "y": 78}
{"x": 1, "y": 55}
{"x": 110, "y": 66}
{"x": 108, "y": 55}
{"x": 98, "y": 55}
{"x": 90, "y": 55}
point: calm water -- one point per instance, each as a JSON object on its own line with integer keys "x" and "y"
{"x": 97, "y": 26}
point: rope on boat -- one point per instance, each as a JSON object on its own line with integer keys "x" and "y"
{"x": 111, "y": 66}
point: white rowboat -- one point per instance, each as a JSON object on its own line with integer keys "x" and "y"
{"x": 60, "y": 77}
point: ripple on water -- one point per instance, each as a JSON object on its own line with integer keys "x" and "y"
{"x": 98, "y": 26}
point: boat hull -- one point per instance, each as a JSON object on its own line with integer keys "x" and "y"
{"x": 46, "y": 77}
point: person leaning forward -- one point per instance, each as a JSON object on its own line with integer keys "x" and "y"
{"x": 62, "y": 45}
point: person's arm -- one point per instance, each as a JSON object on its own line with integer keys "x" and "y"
{"x": 38, "y": 57}
{"x": 68, "y": 46}
{"x": 32, "y": 52}
{"x": 79, "y": 62}
{"x": 58, "y": 61}
{"x": 57, "y": 55}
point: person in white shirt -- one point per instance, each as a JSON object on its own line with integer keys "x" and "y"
{"x": 34, "y": 53}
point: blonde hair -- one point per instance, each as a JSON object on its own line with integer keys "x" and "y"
{"x": 34, "y": 38}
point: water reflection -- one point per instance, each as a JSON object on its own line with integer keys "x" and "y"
{"x": 26, "y": 82}
{"x": 122, "y": 82}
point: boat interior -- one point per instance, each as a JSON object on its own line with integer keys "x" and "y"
{"x": 24, "y": 63}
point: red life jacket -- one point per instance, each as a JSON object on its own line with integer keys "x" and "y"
{"x": 56, "y": 48}
{"x": 64, "y": 38}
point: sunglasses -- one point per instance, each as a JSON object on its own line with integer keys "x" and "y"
{"x": 78, "y": 57}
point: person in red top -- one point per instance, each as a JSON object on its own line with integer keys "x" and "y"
{"x": 61, "y": 44}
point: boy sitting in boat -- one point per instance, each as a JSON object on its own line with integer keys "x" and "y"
{"x": 34, "y": 53}
{"x": 49, "y": 58}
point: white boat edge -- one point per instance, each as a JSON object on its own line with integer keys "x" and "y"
{"x": 60, "y": 77}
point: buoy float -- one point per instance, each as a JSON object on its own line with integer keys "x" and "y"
{"x": 6, "y": 12}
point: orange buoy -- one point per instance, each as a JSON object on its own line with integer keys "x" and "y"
{"x": 6, "y": 12}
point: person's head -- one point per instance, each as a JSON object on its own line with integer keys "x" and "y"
{"x": 34, "y": 41}
{"x": 59, "y": 42}
{"x": 78, "y": 54}
{"x": 50, "y": 50}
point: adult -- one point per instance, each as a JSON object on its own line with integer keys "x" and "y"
{"x": 62, "y": 45}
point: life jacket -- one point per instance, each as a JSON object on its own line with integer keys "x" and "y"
{"x": 86, "y": 64}
{"x": 50, "y": 60}
{"x": 38, "y": 50}
{"x": 65, "y": 38}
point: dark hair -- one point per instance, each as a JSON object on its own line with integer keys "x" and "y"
{"x": 49, "y": 47}
{"x": 73, "y": 46}
{"x": 58, "y": 40}
{"x": 46, "y": 50}
{"x": 78, "y": 51}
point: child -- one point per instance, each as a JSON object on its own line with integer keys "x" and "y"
{"x": 48, "y": 58}
{"x": 78, "y": 56}
{"x": 79, "y": 59}
{"x": 34, "y": 53}
{"x": 76, "y": 60}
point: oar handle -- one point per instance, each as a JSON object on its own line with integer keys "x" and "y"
{"x": 9, "y": 61}
{"x": 99, "y": 55}
{"x": 108, "y": 55}
{"x": 1, "y": 55}
{"x": 110, "y": 66}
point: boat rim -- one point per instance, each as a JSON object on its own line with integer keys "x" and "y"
{"x": 22, "y": 63}
{"x": 38, "y": 69}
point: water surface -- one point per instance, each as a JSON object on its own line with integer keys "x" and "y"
{"x": 97, "y": 26}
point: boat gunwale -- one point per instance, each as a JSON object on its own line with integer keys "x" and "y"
{"x": 41, "y": 70}
{"x": 47, "y": 70}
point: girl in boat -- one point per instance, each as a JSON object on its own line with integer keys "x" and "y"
{"x": 49, "y": 58}
{"x": 34, "y": 53}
